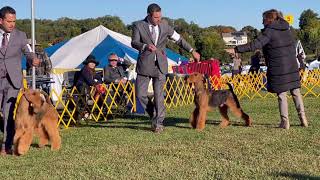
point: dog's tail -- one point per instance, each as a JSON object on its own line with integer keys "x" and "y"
{"x": 234, "y": 95}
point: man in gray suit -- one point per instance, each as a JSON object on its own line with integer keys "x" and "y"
{"x": 13, "y": 44}
{"x": 150, "y": 37}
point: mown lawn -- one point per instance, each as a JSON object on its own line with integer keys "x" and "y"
{"x": 126, "y": 149}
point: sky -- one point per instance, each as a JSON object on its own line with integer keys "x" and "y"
{"x": 236, "y": 13}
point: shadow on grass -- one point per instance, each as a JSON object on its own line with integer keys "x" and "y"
{"x": 176, "y": 122}
{"x": 138, "y": 122}
{"x": 35, "y": 145}
{"x": 297, "y": 176}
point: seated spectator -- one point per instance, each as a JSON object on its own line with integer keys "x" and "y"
{"x": 115, "y": 71}
{"x": 87, "y": 75}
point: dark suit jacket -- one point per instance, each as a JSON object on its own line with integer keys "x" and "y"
{"x": 141, "y": 36}
{"x": 17, "y": 47}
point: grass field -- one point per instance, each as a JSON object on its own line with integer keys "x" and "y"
{"x": 126, "y": 149}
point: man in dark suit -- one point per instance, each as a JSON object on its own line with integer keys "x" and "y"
{"x": 150, "y": 37}
{"x": 13, "y": 45}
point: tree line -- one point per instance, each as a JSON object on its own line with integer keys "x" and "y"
{"x": 208, "y": 40}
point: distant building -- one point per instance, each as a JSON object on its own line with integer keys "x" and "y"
{"x": 235, "y": 38}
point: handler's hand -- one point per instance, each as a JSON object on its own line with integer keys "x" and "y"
{"x": 151, "y": 47}
{"x": 196, "y": 56}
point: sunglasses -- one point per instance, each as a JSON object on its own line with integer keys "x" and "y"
{"x": 113, "y": 59}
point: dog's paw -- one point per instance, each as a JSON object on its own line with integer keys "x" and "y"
{"x": 249, "y": 123}
{"x": 55, "y": 147}
{"x": 224, "y": 124}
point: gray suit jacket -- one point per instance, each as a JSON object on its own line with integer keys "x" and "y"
{"x": 141, "y": 37}
{"x": 12, "y": 57}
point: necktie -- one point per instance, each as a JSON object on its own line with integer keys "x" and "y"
{"x": 153, "y": 33}
{"x": 5, "y": 41}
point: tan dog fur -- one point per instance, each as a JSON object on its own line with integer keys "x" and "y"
{"x": 35, "y": 114}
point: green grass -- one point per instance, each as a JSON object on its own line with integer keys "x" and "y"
{"x": 126, "y": 149}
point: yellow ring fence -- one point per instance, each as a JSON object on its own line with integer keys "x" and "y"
{"x": 177, "y": 94}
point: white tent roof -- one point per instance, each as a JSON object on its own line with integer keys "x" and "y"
{"x": 73, "y": 52}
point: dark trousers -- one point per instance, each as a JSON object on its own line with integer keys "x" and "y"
{"x": 8, "y": 97}
{"x": 142, "y": 84}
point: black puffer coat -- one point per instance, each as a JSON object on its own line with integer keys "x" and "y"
{"x": 278, "y": 45}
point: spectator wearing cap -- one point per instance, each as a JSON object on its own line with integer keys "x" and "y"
{"x": 87, "y": 75}
{"x": 115, "y": 71}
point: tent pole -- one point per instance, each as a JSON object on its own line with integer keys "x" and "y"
{"x": 33, "y": 43}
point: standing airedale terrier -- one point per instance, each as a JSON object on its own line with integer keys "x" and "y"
{"x": 205, "y": 100}
{"x": 35, "y": 114}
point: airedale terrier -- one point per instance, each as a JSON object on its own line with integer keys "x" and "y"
{"x": 206, "y": 100}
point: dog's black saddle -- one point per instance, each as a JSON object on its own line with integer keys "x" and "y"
{"x": 219, "y": 97}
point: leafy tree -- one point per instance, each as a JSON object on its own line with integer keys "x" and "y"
{"x": 211, "y": 45}
{"x": 312, "y": 32}
{"x": 306, "y": 17}
{"x": 309, "y": 31}
{"x": 252, "y": 32}
{"x": 221, "y": 29}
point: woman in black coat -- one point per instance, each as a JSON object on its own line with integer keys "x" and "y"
{"x": 278, "y": 45}
{"x": 87, "y": 76}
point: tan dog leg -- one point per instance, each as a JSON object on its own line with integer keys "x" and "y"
{"x": 53, "y": 134}
{"x": 19, "y": 132}
{"x": 43, "y": 136}
{"x": 25, "y": 141}
{"x": 239, "y": 113}
{"x": 225, "y": 118}
{"x": 193, "y": 117}
{"x": 201, "y": 120}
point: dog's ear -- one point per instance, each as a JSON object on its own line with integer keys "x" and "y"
{"x": 43, "y": 99}
{"x": 29, "y": 95}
